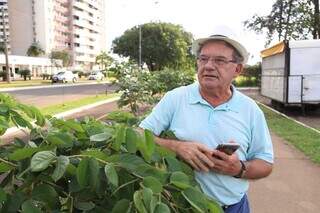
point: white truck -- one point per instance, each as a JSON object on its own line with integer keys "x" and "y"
{"x": 291, "y": 73}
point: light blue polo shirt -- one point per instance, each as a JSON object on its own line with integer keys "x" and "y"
{"x": 191, "y": 118}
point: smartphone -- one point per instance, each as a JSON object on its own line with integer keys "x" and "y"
{"x": 228, "y": 148}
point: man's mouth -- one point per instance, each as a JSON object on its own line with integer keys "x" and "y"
{"x": 210, "y": 76}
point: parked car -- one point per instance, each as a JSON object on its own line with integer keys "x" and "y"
{"x": 64, "y": 76}
{"x": 96, "y": 75}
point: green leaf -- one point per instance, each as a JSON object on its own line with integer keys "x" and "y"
{"x": 180, "y": 180}
{"x": 19, "y": 121}
{"x": 84, "y": 206}
{"x": 146, "y": 146}
{"x": 95, "y": 153}
{"x": 41, "y": 160}
{"x": 153, "y": 184}
{"x": 74, "y": 125}
{"x": 147, "y": 198}
{"x": 145, "y": 170}
{"x": 131, "y": 140}
{"x": 138, "y": 202}
{"x": 87, "y": 172}
{"x": 214, "y": 207}
{"x": 71, "y": 169}
{"x": 3, "y": 195}
{"x": 162, "y": 208}
{"x": 111, "y": 174}
{"x": 4, "y": 167}
{"x": 4, "y": 108}
{"x": 20, "y": 154}
{"x": 122, "y": 206}
{"x": 120, "y": 137}
{"x": 173, "y": 164}
{"x": 61, "y": 139}
{"x": 127, "y": 161}
{"x": 196, "y": 199}
{"x": 29, "y": 207}
{"x": 46, "y": 194}
{"x": 100, "y": 137}
{"x": 61, "y": 166}
{"x": 40, "y": 119}
{"x": 150, "y": 144}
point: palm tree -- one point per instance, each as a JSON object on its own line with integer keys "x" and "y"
{"x": 104, "y": 60}
{"x": 35, "y": 50}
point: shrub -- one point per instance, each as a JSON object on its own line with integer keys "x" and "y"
{"x": 89, "y": 166}
{"x": 46, "y": 76}
{"x": 143, "y": 87}
{"x": 25, "y": 73}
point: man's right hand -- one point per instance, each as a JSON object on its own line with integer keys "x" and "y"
{"x": 195, "y": 154}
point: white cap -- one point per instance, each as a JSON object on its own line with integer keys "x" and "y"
{"x": 196, "y": 45}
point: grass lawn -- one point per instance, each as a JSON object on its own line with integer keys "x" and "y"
{"x": 54, "y": 109}
{"x": 306, "y": 140}
{"x": 36, "y": 82}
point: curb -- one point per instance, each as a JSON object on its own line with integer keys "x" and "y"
{"x": 64, "y": 114}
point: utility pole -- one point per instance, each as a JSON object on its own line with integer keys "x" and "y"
{"x": 6, "y": 47}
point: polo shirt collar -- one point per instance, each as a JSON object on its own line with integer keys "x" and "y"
{"x": 231, "y": 105}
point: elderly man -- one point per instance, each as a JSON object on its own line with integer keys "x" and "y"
{"x": 211, "y": 112}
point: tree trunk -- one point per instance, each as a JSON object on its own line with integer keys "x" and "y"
{"x": 316, "y": 23}
{"x": 288, "y": 20}
{"x": 280, "y": 20}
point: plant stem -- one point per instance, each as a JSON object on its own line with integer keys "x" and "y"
{"x": 84, "y": 156}
{"x": 120, "y": 187}
{"x": 8, "y": 162}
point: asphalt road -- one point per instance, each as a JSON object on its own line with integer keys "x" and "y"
{"x": 45, "y": 96}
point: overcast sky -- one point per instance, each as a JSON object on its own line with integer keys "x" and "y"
{"x": 200, "y": 17}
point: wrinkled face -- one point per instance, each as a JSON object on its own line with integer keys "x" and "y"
{"x": 216, "y": 66}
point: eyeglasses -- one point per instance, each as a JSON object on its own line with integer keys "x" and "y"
{"x": 220, "y": 61}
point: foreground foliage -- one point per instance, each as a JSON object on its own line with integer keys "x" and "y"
{"x": 91, "y": 166}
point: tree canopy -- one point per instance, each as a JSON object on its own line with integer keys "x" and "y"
{"x": 62, "y": 55}
{"x": 163, "y": 45}
{"x": 104, "y": 60}
{"x": 35, "y": 50}
{"x": 288, "y": 19}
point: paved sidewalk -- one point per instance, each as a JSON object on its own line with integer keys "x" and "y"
{"x": 293, "y": 186}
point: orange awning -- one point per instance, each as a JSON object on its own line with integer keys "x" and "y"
{"x": 275, "y": 49}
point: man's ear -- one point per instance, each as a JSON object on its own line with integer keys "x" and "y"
{"x": 239, "y": 69}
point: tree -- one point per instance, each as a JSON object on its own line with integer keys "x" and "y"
{"x": 35, "y": 50}
{"x": 62, "y": 55}
{"x": 288, "y": 19}
{"x": 104, "y": 60}
{"x": 163, "y": 45}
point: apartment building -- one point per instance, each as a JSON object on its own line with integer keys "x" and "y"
{"x": 77, "y": 26}
{"x": 4, "y": 24}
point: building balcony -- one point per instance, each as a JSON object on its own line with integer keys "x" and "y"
{"x": 84, "y": 41}
{"x": 84, "y": 6}
{"x": 62, "y": 19}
